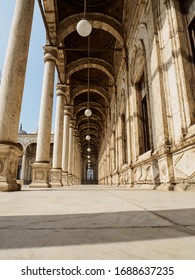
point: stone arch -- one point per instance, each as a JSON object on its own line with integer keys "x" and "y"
{"x": 98, "y": 20}
{"x": 92, "y": 62}
{"x": 100, "y": 90}
{"x": 94, "y": 118}
{"x": 92, "y": 105}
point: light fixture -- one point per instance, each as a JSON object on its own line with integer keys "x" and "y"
{"x": 88, "y": 137}
{"x": 89, "y": 160}
{"x": 84, "y": 26}
{"x": 88, "y": 112}
{"x": 88, "y": 156}
{"x": 89, "y": 150}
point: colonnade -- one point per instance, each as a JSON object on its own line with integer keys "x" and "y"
{"x": 65, "y": 166}
{"x": 112, "y": 158}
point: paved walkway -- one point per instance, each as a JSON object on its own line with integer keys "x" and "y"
{"x": 94, "y": 222}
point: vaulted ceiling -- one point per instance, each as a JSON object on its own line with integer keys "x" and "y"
{"x": 105, "y": 41}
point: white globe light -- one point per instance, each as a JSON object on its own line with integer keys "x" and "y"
{"x": 88, "y": 156}
{"x": 88, "y": 149}
{"x": 84, "y": 27}
{"x": 89, "y": 160}
{"x": 88, "y": 137}
{"x": 88, "y": 113}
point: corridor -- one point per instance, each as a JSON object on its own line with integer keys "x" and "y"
{"x": 96, "y": 222}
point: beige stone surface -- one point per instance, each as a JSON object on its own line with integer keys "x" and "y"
{"x": 91, "y": 222}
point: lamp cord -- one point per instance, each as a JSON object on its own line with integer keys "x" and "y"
{"x": 88, "y": 80}
{"x": 88, "y": 72}
{"x": 85, "y": 8}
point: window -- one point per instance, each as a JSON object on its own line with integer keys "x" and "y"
{"x": 143, "y": 120}
{"x": 187, "y": 8}
{"x": 191, "y": 31}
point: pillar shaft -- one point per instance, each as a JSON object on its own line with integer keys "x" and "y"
{"x": 11, "y": 92}
{"x": 56, "y": 172}
{"x": 65, "y": 148}
{"x": 13, "y": 76}
{"x": 70, "y": 156}
{"x": 58, "y": 136}
{"x": 23, "y": 166}
{"x": 41, "y": 168}
{"x": 45, "y": 118}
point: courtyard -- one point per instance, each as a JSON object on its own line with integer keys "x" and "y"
{"x": 92, "y": 222}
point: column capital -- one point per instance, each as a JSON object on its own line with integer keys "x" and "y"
{"x": 60, "y": 89}
{"x": 67, "y": 110}
{"x": 50, "y": 53}
{"x": 75, "y": 132}
{"x": 72, "y": 123}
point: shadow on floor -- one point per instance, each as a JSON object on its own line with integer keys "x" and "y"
{"x": 95, "y": 228}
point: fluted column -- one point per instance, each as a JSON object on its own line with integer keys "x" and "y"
{"x": 70, "y": 157}
{"x": 11, "y": 92}
{"x": 56, "y": 172}
{"x": 65, "y": 148}
{"x": 41, "y": 167}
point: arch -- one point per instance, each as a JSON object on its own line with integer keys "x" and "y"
{"x": 20, "y": 145}
{"x": 98, "y": 20}
{"x": 94, "y": 105}
{"x": 93, "y": 117}
{"x": 84, "y": 127}
{"x": 100, "y": 90}
{"x": 92, "y": 62}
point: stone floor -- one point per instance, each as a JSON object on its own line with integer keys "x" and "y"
{"x": 94, "y": 222}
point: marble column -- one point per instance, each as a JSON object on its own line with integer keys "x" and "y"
{"x": 56, "y": 172}
{"x": 108, "y": 163}
{"x": 73, "y": 156}
{"x": 70, "y": 156}
{"x": 11, "y": 92}
{"x": 65, "y": 148}
{"x": 23, "y": 166}
{"x": 41, "y": 167}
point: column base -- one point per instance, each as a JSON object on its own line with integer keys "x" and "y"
{"x": 40, "y": 175}
{"x": 165, "y": 187}
{"x": 65, "y": 178}
{"x": 9, "y": 156}
{"x": 56, "y": 178}
{"x": 70, "y": 183}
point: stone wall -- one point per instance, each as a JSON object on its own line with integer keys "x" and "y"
{"x": 156, "y": 45}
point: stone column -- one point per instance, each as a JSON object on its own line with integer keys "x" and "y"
{"x": 42, "y": 166}
{"x": 70, "y": 156}
{"x": 74, "y": 155}
{"x": 120, "y": 143}
{"x": 56, "y": 172}
{"x": 23, "y": 166}
{"x": 11, "y": 92}
{"x": 108, "y": 163}
{"x": 65, "y": 148}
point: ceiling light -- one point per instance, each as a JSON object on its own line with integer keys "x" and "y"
{"x": 84, "y": 27}
{"x": 88, "y": 113}
{"x": 88, "y": 137}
